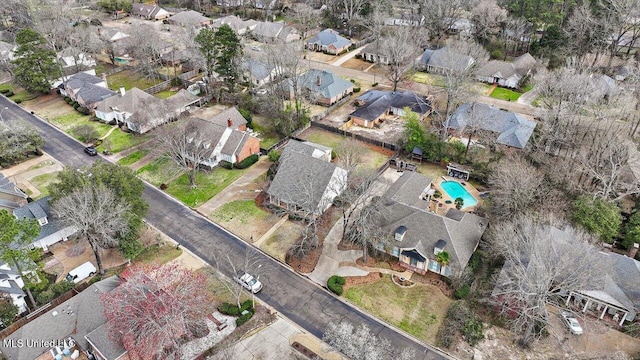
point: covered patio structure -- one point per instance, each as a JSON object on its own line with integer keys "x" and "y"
{"x": 604, "y": 304}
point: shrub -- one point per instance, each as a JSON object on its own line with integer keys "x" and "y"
{"x": 83, "y": 110}
{"x": 61, "y": 287}
{"x": 244, "y": 318}
{"x": 17, "y": 101}
{"x": 250, "y": 160}
{"x": 472, "y": 331}
{"x": 229, "y": 309}
{"x": 67, "y": 99}
{"x": 247, "y": 115}
{"x": 9, "y": 93}
{"x": 176, "y": 81}
{"x": 462, "y": 292}
{"x": 335, "y": 284}
{"x": 353, "y": 81}
{"x": 374, "y": 84}
{"x": 4, "y": 91}
{"x": 74, "y": 104}
{"x": 333, "y": 155}
{"x": 358, "y": 56}
{"x": 246, "y": 305}
{"x": 45, "y": 296}
{"x": 356, "y": 89}
{"x": 496, "y": 54}
{"x": 274, "y": 156}
{"x": 225, "y": 164}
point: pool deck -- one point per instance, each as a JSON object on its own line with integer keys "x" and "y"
{"x": 445, "y": 196}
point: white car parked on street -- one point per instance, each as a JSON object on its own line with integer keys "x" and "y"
{"x": 572, "y": 323}
{"x": 248, "y": 281}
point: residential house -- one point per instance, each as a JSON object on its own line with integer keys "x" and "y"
{"x": 86, "y": 89}
{"x": 256, "y": 72}
{"x": 189, "y": 18}
{"x": 149, "y": 12}
{"x": 461, "y": 27}
{"x": 405, "y": 19}
{"x": 513, "y": 130}
{"x": 373, "y": 53}
{"x": 73, "y": 323}
{"x": 270, "y": 32}
{"x": 11, "y": 197}
{"x": 73, "y": 60}
{"x": 444, "y": 59}
{"x": 322, "y": 87}
{"x": 258, "y": 4}
{"x": 11, "y": 284}
{"x": 374, "y": 105}
{"x": 52, "y": 229}
{"x": 226, "y": 142}
{"x": 180, "y": 102}
{"x": 506, "y": 74}
{"x": 175, "y": 57}
{"x": 136, "y": 109}
{"x": 416, "y": 235}
{"x": 307, "y": 181}
{"x": 111, "y": 34}
{"x": 230, "y": 116}
{"x": 328, "y": 41}
{"x": 238, "y": 25}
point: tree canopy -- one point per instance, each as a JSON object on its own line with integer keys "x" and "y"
{"x": 17, "y": 140}
{"x": 598, "y": 216}
{"x": 35, "y": 63}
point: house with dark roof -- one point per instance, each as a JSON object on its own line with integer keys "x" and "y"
{"x": 189, "y": 18}
{"x": 307, "y": 181}
{"x": 52, "y": 228}
{"x": 238, "y": 25}
{"x": 506, "y": 74}
{"x": 86, "y": 89}
{"x": 11, "y": 284}
{"x": 11, "y": 197}
{"x": 322, "y": 87}
{"x": 444, "y": 59}
{"x": 328, "y": 41}
{"x": 373, "y": 52}
{"x": 69, "y": 324}
{"x": 513, "y": 130}
{"x": 257, "y": 72}
{"x": 223, "y": 142}
{"x": 149, "y": 12}
{"x": 375, "y": 105}
{"x": 269, "y": 32}
{"x": 416, "y": 235}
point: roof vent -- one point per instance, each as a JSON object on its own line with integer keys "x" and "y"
{"x": 400, "y": 231}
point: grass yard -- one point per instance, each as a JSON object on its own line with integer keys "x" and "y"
{"x": 268, "y": 136}
{"x": 41, "y": 182}
{"x": 282, "y": 239}
{"x": 72, "y": 119}
{"x": 129, "y": 79}
{"x": 244, "y": 218}
{"x": 133, "y": 157}
{"x": 158, "y": 254}
{"x": 322, "y": 137}
{"x": 429, "y": 79}
{"x": 20, "y": 95}
{"x": 120, "y": 140}
{"x": 418, "y": 310}
{"x": 159, "y": 171}
{"x": 165, "y": 94}
{"x": 209, "y": 184}
{"x": 505, "y": 94}
{"x": 431, "y": 170}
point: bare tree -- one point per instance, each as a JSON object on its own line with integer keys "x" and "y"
{"x": 401, "y": 46}
{"x": 360, "y": 343}
{"x": 620, "y": 17}
{"x": 146, "y": 46}
{"x": 515, "y": 33}
{"x": 97, "y": 215}
{"x": 541, "y": 264}
{"x": 487, "y": 16}
{"x": 584, "y": 33}
{"x": 306, "y": 17}
{"x": 348, "y": 10}
{"x": 517, "y": 187}
{"x": 186, "y": 144}
{"x": 251, "y": 263}
{"x": 440, "y": 15}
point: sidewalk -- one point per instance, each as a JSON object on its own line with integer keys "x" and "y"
{"x": 351, "y": 54}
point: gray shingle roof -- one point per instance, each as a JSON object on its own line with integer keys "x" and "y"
{"x": 268, "y": 30}
{"x": 9, "y": 188}
{"x": 257, "y": 69}
{"x": 145, "y": 10}
{"x": 306, "y": 148}
{"x": 75, "y": 317}
{"x": 234, "y": 23}
{"x": 330, "y": 85}
{"x": 329, "y": 37}
{"x": 13, "y": 288}
{"x": 378, "y": 102}
{"x": 37, "y": 210}
{"x": 155, "y": 111}
{"x": 229, "y": 114}
{"x": 513, "y": 129}
{"x": 189, "y": 18}
{"x": 497, "y": 68}
{"x": 101, "y": 341}
{"x": 214, "y": 133}
{"x": 442, "y": 58}
{"x": 460, "y": 230}
{"x": 180, "y": 100}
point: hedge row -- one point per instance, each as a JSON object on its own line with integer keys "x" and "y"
{"x": 335, "y": 284}
{"x": 250, "y": 160}
{"x": 234, "y": 310}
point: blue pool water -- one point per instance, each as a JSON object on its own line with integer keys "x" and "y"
{"x": 455, "y": 190}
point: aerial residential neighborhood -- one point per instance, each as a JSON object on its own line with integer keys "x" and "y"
{"x": 319, "y": 179}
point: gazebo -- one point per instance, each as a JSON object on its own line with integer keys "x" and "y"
{"x": 457, "y": 171}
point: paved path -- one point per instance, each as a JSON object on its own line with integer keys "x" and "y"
{"x": 147, "y": 159}
{"x": 350, "y": 55}
{"x": 311, "y": 307}
{"x": 269, "y": 232}
{"x": 528, "y": 97}
{"x": 235, "y": 187}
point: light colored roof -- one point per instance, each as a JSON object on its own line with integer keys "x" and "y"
{"x": 101, "y": 339}
{"x": 497, "y": 68}
{"x": 234, "y": 22}
{"x": 229, "y": 114}
{"x": 37, "y": 210}
{"x": 378, "y": 102}
{"x": 131, "y": 102}
{"x": 145, "y": 10}
{"x": 180, "y": 100}
{"x": 75, "y": 317}
{"x": 513, "y": 129}
{"x": 189, "y": 18}
{"x": 215, "y": 132}
{"x": 270, "y": 30}
{"x": 329, "y": 37}
{"x": 256, "y": 68}
{"x": 330, "y": 85}
{"x": 441, "y": 58}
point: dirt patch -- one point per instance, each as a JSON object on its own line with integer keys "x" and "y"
{"x": 356, "y": 64}
{"x": 76, "y": 250}
{"x": 358, "y": 280}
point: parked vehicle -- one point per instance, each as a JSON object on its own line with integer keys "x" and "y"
{"x": 248, "y": 281}
{"x": 81, "y": 272}
{"x": 572, "y": 323}
{"x": 91, "y": 151}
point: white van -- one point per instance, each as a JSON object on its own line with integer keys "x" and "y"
{"x": 81, "y": 272}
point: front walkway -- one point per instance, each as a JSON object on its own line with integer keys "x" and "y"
{"x": 351, "y": 54}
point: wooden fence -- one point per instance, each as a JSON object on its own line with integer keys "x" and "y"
{"x": 359, "y": 137}
{"x": 42, "y": 310}
{"x": 158, "y": 88}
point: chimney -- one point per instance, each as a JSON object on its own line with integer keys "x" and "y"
{"x": 229, "y": 123}
{"x": 318, "y": 80}
{"x": 122, "y": 91}
{"x": 634, "y": 250}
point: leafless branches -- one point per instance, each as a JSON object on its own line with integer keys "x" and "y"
{"x": 360, "y": 343}
{"x": 518, "y": 187}
{"x": 401, "y": 46}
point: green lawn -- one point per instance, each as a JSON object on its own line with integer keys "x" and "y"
{"x": 418, "y": 310}
{"x": 41, "y": 182}
{"x": 129, "y": 79}
{"x": 282, "y": 239}
{"x": 7, "y": 86}
{"x": 73, "y": 119}
{"x": 158, "y": 254}
{"x": 268, "y": 137}
{"x": 209, "y": 183}
{"x": 19, "y": 94}
{"x": 165, "y": 94}
{"x": 322, "y": 137}
{"x": 243, "y": 211}
{"x": 121, "y": 140}
{"x": 429, "y": 79}
{"x": 159, "y": 171}
{"x": 133, "y": 157}
{"x": 505, "y": 94}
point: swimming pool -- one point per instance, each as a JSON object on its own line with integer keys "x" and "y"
{"x": 455, "y": 190}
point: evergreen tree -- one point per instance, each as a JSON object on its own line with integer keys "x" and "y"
{"x": 35, "y": 65}
{"x": 228, "y": 49}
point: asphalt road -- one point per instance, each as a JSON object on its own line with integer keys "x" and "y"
{"x": 306, "y": 304}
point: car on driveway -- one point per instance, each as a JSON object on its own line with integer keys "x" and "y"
{"x": 91, "y": 151}
{"x": 248, "y": 281}
{"x": 572, "y": 322}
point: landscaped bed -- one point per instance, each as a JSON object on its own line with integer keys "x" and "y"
{"x": 209, "y": 183}
{"x": 418, "y": 310}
